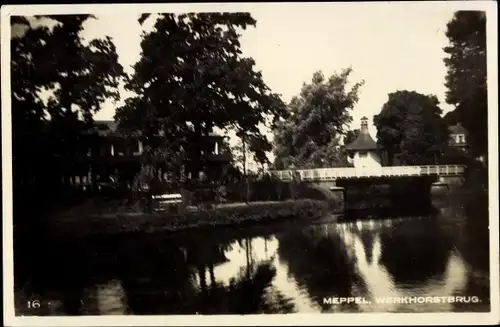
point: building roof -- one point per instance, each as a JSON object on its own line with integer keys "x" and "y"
{"x": 108, "y": 124}
{"x": 104, "y": 127}
{"x": 457, "y": 129}
{"x": 364, "y": 142}
{"x": 110, "y": 127}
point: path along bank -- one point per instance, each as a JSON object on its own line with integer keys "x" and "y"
{"x": 86, "y": 221}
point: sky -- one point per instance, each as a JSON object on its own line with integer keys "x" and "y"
{"x": 391, "y": 47}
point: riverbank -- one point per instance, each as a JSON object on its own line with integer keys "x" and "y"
{"x": 90, "y": 220}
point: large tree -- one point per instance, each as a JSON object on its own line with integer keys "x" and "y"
{"x": 58, "y": 83}
{"x": 466, "y": 77}
{"x": 320, "y": 117}
{"x": 410, "y": 127}
{"x": 192, "y": 78}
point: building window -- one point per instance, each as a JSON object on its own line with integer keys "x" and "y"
{"x": 109, "y": 150}
{"x": 134, "y": 147}
{"x": 210, "y": 148}
{"x": 461, "y": 138}
{"x": 137, "y": 148}
{"x": 119, "y": 148}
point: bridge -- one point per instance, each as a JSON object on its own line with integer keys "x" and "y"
{"x": 405, "y": 186}
{"x": 346, "y": 173}
{"x": 398, "y": 186}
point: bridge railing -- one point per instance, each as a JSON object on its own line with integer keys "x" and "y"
{"x": 325, "y": 173}
{"x": 350, "y": 172}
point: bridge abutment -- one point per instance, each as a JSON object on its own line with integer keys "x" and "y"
{"x": 327, "y": 191}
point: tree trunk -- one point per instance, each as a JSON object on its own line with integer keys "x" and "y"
{"x": 212, "y": 274}
{"x": 390, "y": 157}
{"x": 247, "y": 186}
{"x": 247, "y": 253}
{"x": 196, "y": 154}
{"x": 203, "y": 280}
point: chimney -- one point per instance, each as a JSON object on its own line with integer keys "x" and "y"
{"x": 364, "y": 125}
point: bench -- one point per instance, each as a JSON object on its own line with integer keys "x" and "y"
{"x": 164, "y": 201}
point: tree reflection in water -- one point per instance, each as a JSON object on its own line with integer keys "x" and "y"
{"x": 367, "y": 237}
{"x": 474, "y": 246}
{"x": 249, "y": 291}
{"x": 415, "y": 251}
{"x": 155, "y": 274}
{"x": 319, "y": 260}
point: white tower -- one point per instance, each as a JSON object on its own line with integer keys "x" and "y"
{"x": 364, "y": 150}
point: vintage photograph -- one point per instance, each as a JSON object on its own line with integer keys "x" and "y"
{"x": 214, "y": 160}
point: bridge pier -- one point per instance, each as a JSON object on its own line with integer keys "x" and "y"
{"x": 440, "y": 187}
{"x": 338, "y": 197}
{"x": 447, "y": 183}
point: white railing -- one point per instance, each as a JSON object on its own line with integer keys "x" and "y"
{"x": 326, "y": 174}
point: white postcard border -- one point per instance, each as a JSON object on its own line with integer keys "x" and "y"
{"x": 223, "y": 320}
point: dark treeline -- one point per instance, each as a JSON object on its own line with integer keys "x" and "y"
{"x": 47, "y": 131}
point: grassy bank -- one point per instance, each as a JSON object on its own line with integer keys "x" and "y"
{"x": 81, "y": 223}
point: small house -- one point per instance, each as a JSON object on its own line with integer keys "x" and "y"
{"x": 458, "y": 137}
{"x": 363, "y": 150}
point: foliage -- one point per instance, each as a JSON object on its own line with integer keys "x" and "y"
{"x": 466, "y": 76}
{"x": 263, "y": 188}
{"x": 80, "y": 77}
{"x": 239, "y": 154}
{"x": 351, "y": 136}
{"x": 410, "y": 127}
{"x": 319, "y": 118}
{"x": 259, "y": 145}
{"x": 251, "y": 148}
{"x": 191, "y": 78}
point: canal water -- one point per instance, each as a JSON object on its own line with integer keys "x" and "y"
{"x": 432, "y": 263}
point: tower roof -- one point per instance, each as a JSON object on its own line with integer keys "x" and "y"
{"x": 364, "y": 142}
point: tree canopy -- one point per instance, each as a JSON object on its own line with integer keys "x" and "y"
{"x": 192, "y": 78}
{"x": 58, "y": 83}
{"x": 81, "y": 76}
{"x": 410, "y": 128}
{"x": 350, "y": 136}
{"x": 319, "y": 119}
{"x": 466, "y": 76}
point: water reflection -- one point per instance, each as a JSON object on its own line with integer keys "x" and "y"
{"x": 395, "y": 265}
{"x": 280, "y": 268}
{"x": 321, "y": 263}
{"x": 415, "y": 251}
